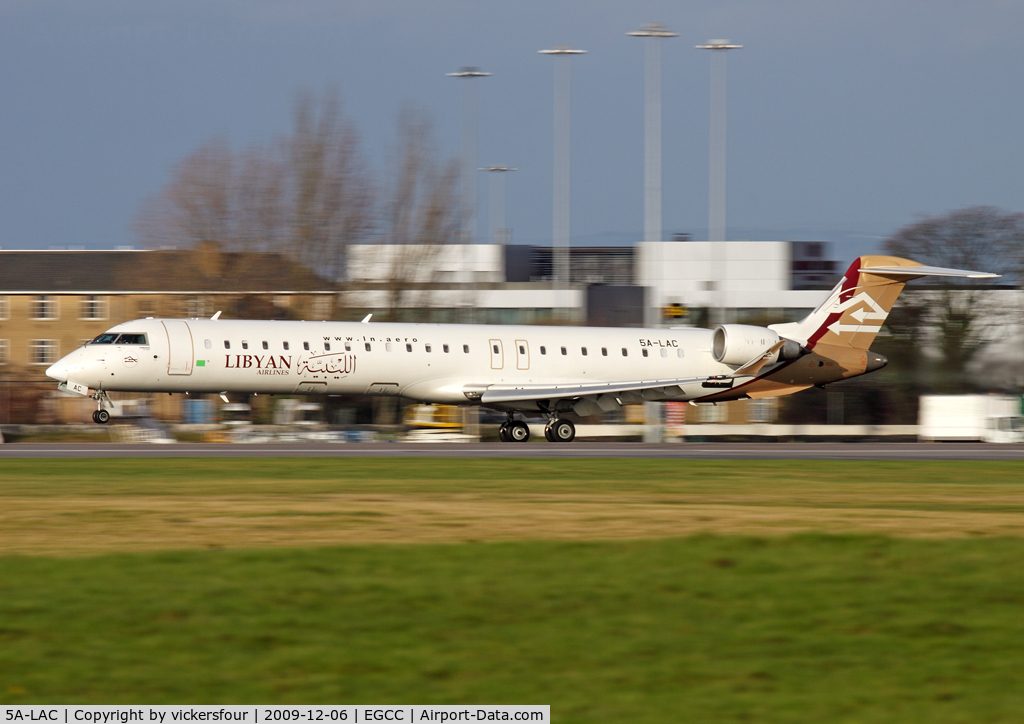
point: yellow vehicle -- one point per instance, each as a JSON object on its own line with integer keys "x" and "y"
{"x": 437, "y": 417}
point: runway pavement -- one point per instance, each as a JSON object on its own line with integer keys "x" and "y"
{"x": 683, "y": 451}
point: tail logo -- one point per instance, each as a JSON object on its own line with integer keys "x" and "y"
{"x": 861, "y": 314}
{"x": 873, "y": 311}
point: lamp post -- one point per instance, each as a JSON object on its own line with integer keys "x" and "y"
{"x": 716, "y": 173}
{"x": 496, "y": 204}
{"x": 467, "y": 218}
{"x": 560, "y": 238}
{"x": 469, "y": 151}
{"x": 653, "y": 32}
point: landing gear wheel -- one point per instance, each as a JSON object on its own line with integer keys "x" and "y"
{"x": 562, "y": 431}
{"x": 94, "y": 417}
{"x": 548, "y": 434}
{"x": 518, "y": 432}
{"x": 503, "y": 432}
{"x": 102, "y": 417}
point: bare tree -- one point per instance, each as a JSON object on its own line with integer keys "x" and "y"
{"x": 962, "y": 316}
{"x": 421, "y": 213}
{"x": 308, "y": 194}
{"x": 331, "y": 191}
{"x": 196, "y": 206}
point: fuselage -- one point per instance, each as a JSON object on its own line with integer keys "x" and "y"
{"x": 424, "y": 362}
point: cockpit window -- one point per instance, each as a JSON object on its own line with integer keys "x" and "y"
{"x": 131, "y": 339}
{"x": 105, "y": 338}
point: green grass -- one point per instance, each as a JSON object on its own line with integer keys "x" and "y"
{"x": 806, "y": 628}
{"x": 799, "y": 629}
{"x": 293, "y": 476}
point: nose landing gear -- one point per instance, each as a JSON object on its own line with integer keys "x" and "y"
{"x": 101, "y": 416}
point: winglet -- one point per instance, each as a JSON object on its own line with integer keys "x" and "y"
{"x": 216, "y": 316}
{"x": 367, "y": 318}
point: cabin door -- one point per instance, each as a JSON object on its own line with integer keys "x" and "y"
{"x": 522, "y": 354}
{"x": 497, "y": 357}
{"x": 179, "y": 347}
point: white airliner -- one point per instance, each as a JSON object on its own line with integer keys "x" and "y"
{"x": 551, "y": 370}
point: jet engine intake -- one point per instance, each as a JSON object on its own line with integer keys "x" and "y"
{"x": 738, "y": 344}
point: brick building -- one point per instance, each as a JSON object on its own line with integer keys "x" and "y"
{"x": 54, "y": 301}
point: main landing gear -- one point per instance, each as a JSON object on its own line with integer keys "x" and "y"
{"x": 513, "y": 430}
{"x": 557, "y": 430}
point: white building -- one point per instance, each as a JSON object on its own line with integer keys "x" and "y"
{"x": 731, "y": 274}
{"x": 748, "y": 278}
{"x": 455, "y": 282}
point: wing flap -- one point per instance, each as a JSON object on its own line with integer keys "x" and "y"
{"x": 526, "y": 393}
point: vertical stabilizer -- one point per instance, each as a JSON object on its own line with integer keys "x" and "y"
{"x": 856, "y": 308}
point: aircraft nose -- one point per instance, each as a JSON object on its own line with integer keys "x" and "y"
{"x": 58, "y": 370}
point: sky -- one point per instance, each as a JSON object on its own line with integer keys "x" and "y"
{"x": 846, "y": 119}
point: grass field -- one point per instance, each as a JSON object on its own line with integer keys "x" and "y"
{"x": 613, "y": 590}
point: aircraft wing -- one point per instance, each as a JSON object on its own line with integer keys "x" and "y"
{"x": 660, "y": 389}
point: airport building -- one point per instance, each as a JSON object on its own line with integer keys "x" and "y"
{"x": 652, "y": 283}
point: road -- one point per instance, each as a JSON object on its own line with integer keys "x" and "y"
{"x": 686, "y": 451}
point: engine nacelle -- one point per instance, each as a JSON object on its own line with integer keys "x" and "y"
{"x": 737, "y": 344}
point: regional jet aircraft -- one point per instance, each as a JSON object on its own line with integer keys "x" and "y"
{"x": 515, "y": 369}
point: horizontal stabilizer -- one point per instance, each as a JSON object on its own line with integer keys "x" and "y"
{"x": 913, "y": 272}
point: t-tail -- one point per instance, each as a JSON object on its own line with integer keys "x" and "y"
{"x": 853, "y": 313}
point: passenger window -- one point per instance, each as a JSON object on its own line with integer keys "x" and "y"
{"x": 465, "y": 348}
{"x": 625, "y": 352}
{"x": 265, "y": 345}
{"x": 286, "y": 347}
{"x": 543, "y": 350}
{"x": 604, "y": 351}
{"x": 367, "y": 346}
{"x": 208, "y": 344}
{"x": 426, "y": 347}
{"x": 522, "y": 349}
{"x": 664, "y": 352}
{"x": 245, "y": 344}
{"x": 348, "y": 347}
{"x": 408, "y": 347}
{"x": 584, "y": 351}
{"x": 327, "y": 346}
{"x": 679, "y": 352}
{"x": 387, "y": 346}
{"x": 495, "y": 348}
{"x": 227, "y": 345}
{"x": 445, "y": 348}
{"x": 644, "y": 351}
{"x": 305, "y": 346}
{"x": 563, "y": 350}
